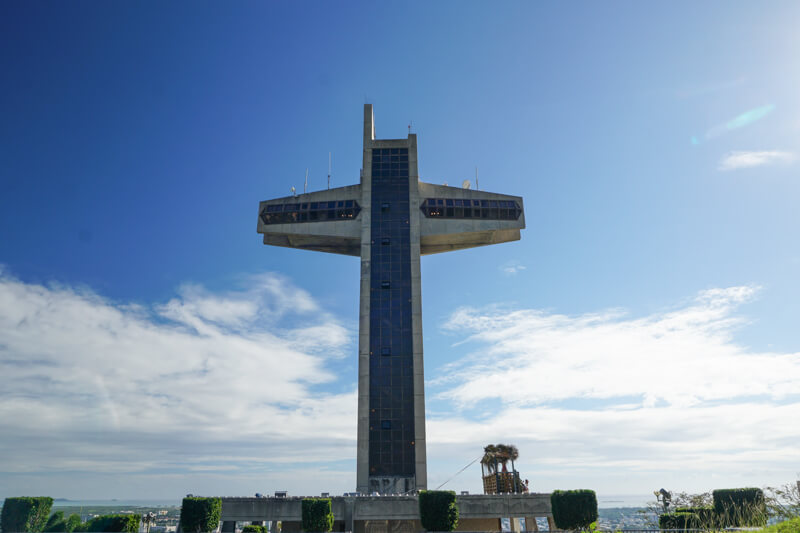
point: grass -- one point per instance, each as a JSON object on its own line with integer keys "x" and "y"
{"x": 788, "y": 526}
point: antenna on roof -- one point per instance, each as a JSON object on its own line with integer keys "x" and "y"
{"x": 409, "y": 126}
{"x": 465, "y": 184}
{"x": 477, "y": 187}
{"x": 294, "y": 193}
{"x": 329, "y": 170}
{"x": 305, "y": 185}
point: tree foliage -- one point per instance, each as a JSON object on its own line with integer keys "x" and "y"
{"x": 498, "y": 453}
{"x": 574, "y": 509}
{"x": 783, "y": 502}
{"x": 119, "y": 523}
{"x": 438, "y": 510}
{"x": 73, "y": 523}
{"x": 680, "y": 500}
{"x": 56, "y": 522}
{"x": 25, "y": 514}
{"x": 200, "y": 515}
{"x": 254, "y": 529}
{"x": 317, "y": 514}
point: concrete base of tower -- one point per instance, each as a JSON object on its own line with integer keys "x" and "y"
{"x": 394, "y": 514}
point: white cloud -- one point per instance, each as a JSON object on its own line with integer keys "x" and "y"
{"x": 227, "y": 393}
{"x": 665, "y": 396}
{"x": 737, "y": 160}
{"x": 512, "y": 268}
{"x": 681, "y": 358}
{"x": 205, "y": 381}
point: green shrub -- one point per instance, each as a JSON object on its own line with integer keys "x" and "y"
{"x": 438, "y": 510}
{"x": 679, "y": 520}
{"x": 254, "y": 529}
{"x": 73, "y": 523}
{"x": 706, "y": 518}
{"x": 317, "y": 514}
{"x": 120, "y": 523}
{"x": 574, "y": 509}
{"x": 200, "y": 515}
{"x": 56, "y": 523}
{"x": 740, "y": 507}
{"x": 25, "y": 514}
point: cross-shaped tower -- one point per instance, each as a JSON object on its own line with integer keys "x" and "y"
{"x": 389, "y": 220}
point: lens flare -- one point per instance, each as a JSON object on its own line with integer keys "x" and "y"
{"x": 740, "y": 121}
{"x": 749, "y": 117}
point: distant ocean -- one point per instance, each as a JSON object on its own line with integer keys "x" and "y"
{"x": 604, "y": 501}
{"x": 116, "y": 503}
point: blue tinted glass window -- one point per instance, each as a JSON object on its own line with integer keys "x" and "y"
{"x": 391, "y": 390}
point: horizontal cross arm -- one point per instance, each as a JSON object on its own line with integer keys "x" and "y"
{"x": 323, "y": 221}
{"x": 452, "y": 218}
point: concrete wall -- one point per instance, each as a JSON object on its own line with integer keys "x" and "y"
{"x": 359, "y": 512}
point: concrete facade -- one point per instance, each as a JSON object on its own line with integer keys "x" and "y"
{"x": 391, "y": 514}
{"x": 389, "y": 220}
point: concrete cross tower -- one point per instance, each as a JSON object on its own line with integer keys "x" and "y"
{"x": 389, "y": 220}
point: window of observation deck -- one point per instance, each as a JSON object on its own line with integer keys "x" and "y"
{"x": 471, "y": 208}
{"x": 310, "y": 212}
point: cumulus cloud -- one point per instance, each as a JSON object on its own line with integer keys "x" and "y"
{"x": 205, "y": 381}
{"x": 241, "y": 391}
{"x": 666, "y": 393}
{"x": 737, "y": 160}
{"x": 512, "y": 268}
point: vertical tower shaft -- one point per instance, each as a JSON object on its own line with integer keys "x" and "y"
{"x": 391, "y": 401}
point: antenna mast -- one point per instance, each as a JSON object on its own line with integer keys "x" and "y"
{"x": 477, "y": 187}
{"x": 329, "y": 170}
{"x": 305, "y": 185}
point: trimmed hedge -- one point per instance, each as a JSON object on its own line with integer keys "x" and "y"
{"x": 679, "y": 520}
{"x": 705, "y": 515}
{"x": 121, "y": 523}
{"x": 254, "y": 529}
{"x": 25, "y": 514}
{"x": 317, "y": 514}
{"x": 574, "y": 509}
{"x": 200, "y": 515}
{"x": 56, "y": 523}
{"x": 438, "y": 510}
{"x": 73, "y": 523}
{"x": 740, "y": 507}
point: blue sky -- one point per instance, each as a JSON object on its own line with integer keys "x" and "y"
{"x": 643, "y": 333}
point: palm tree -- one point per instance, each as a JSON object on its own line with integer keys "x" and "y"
{"x": 489, "y": 458}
